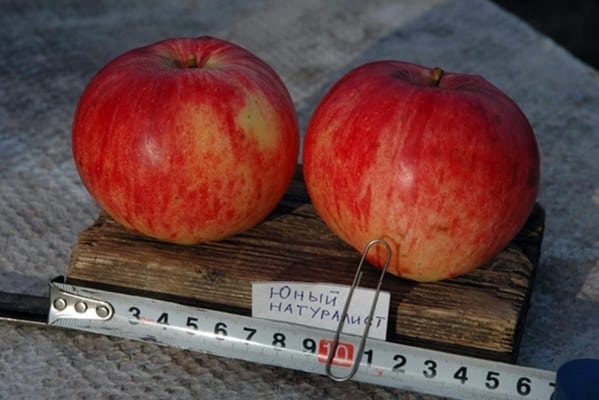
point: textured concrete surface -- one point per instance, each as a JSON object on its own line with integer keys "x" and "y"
{"x": 49, "y": 51}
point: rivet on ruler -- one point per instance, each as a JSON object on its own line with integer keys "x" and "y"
{"x": 60, "y": 304}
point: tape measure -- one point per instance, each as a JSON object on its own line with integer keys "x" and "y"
{"x": 292, "y": 346}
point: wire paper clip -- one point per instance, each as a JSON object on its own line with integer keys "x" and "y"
{"x": 357, "y": 278}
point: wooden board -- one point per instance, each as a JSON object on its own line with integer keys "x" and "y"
{"x": 480, "y": 314}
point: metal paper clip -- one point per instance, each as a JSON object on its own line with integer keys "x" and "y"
{"x": 357, "y": 278}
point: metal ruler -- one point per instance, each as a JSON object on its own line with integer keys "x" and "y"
{"x": 292, "y": 346}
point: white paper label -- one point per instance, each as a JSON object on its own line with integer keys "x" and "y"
{"x": 321, "y": 305}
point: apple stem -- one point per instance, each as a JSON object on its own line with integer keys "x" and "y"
{"x": 437, "y": 75}
{"x": 192, "y": 61}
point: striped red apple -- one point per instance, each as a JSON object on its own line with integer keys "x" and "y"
{"x": 186, "y": 140}
{"x": 443, "y": 166}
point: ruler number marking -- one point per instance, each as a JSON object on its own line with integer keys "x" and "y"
{"x": 220, "y": 330}
{"x": 309, "y": 345}
{"x": 192, "y": 322}
{"x": 369, "y": 353}
{"x": 431, "y": 371}
{"x": 278, "y": 339}
{"x": 401, "y": 362}
{"x": 492, "y": 380}
{"x": 523, "y": 386}
{"x": 251, "y": 332}
{"x": 461, "y": 374}
{"x": 163, "y": 319}
{"x": 135, "y": 315}
{"x": 344, "y": 352}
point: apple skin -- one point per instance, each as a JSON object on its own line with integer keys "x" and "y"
{"x": 186, "y": 140}
{"x": 445, "y": 170}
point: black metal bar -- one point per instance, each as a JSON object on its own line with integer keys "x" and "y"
{"x": 24, "y": 307}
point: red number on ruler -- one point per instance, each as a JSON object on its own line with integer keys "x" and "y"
{"x": 344, "y": 354}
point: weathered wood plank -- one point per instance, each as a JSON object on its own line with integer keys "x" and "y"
{"x": 478, "y": 314}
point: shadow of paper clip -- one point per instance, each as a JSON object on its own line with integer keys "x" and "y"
{"x": 357, "y": 277}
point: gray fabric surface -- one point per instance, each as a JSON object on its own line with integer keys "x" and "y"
{"x": 49, "y": 51}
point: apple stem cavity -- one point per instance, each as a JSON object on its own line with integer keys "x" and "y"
{"x": 437, "y": 75}
{"x": 192, "y": 61}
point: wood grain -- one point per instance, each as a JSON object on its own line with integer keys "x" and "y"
{"x": 480, "y": 313}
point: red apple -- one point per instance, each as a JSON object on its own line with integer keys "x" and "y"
{"x": 186, "y": 140}
{"x": 443, "y": 166}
